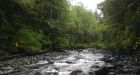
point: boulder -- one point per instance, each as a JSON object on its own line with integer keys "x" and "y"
{"x": 77, "y": 72}
{"x": 102, "y": 71}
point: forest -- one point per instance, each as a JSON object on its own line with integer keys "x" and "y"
{"x": 33, "y": 26}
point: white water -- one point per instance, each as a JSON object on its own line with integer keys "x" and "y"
{"x": 78, "y": 61}
{"x": 62, "y": 64}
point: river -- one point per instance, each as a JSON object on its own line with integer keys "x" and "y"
{"x": 61, "y": 63}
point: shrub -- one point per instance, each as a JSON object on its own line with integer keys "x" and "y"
{"x": 29, "y": 41}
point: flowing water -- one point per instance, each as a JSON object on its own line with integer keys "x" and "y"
{"x": 55, "y": 63}
{"x": 63, "y": 63}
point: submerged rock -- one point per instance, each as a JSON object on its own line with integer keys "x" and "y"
{"x": 86, "y": 62}
{"x": 78, "y": 72}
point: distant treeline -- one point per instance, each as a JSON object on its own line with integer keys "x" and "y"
{"x": 32, "y": 26}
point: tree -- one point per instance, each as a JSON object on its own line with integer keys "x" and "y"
{"x": 121, "y": 18}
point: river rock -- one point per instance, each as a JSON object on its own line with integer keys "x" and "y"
{"x": 102, "y": 71}
{"x": 110, "y": 66}
{"x": 78, "y": 72}
{"x": 138, "y": 72}
{"x": 92, "y": 73}
{"x": 37, "y": 73}
{"x": 51, "y": 73}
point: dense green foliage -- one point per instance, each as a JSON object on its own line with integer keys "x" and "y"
{"x": 37, "y": 25}
{"x": 121, "y": 18}
{"x": 34, "y": 26}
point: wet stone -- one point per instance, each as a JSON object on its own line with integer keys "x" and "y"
{"x": 92, "y": 73}
{"x": 95, "y": 67}
{"x": 69, "y": 62}
{"x": 80, "y": 72}
{"x": 111, "y": 73}
{"x": 128, "y": 70}
{"x": 34, "y": 67}
{"x": 51, "y": 73}
{"x": 64, "y": 63}
{"x": 102, "y": 71}
{"x": 37, "y": 73}
{"x": 138, "y": 72}
{"x": 110, "y": 66}
{"x": 50, "y": 62}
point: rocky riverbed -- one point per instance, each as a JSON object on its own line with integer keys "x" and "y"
{"x": 89, "y": 61}
{"x": 123, "y": 64}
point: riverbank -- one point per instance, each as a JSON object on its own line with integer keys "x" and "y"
{"x": 123, "y": 64}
